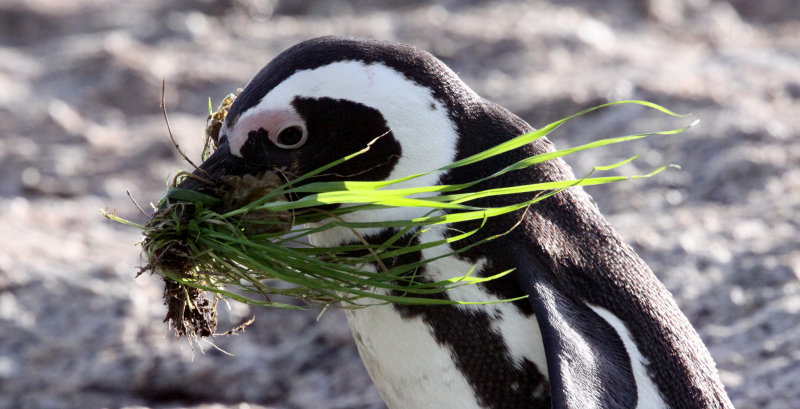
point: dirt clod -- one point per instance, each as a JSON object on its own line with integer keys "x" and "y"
{"x": 238, "y": 192}
{"x": 189, "y": 311}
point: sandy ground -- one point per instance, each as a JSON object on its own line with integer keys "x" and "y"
{"x": 80, "y": 124}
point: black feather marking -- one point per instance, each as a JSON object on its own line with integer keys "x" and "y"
{"x": 479, "y": 352}
{"x": 337, "y": 128}
{"x": 329, "y": 138}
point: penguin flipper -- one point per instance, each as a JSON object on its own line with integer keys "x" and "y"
{"x": 587, "y": 362}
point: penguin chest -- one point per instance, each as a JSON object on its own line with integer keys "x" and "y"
{"x": 406, "y": 363}
{"x": 453, "y": 356}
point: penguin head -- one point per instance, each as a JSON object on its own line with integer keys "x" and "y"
{"x": 329, "y": 97}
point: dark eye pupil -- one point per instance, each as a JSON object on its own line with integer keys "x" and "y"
{"x": 290, "y": 136}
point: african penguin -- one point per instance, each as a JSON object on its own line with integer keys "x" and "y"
{"x": 598, "y": 329}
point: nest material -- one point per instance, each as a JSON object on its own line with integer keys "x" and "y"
{"x": 237, "y": 192}
{"x": 191, "y": 311}
{"x": 214, "y": 236}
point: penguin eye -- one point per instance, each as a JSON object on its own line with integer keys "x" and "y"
{"x": 291, "y": 136}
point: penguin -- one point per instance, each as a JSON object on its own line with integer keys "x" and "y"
{"x": 596, "y": 329}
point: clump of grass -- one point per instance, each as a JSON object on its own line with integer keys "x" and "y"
{"x": 234, "y": 237}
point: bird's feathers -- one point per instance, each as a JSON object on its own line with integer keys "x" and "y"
{"x": 611, "y": 333}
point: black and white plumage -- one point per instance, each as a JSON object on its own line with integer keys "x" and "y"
{"x": 598, "y": 329}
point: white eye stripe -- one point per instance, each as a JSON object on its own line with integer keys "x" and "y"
{"x": 428, "y": 137}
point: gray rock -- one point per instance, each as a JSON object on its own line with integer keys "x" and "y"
{"x": 80, "y": 119}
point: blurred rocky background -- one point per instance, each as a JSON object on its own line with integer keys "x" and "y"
{"x": 80, "y": 84}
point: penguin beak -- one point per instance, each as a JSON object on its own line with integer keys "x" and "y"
{"x": 219, "y": 164}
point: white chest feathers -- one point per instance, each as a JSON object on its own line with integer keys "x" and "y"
{"x": 415, "y": 366}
